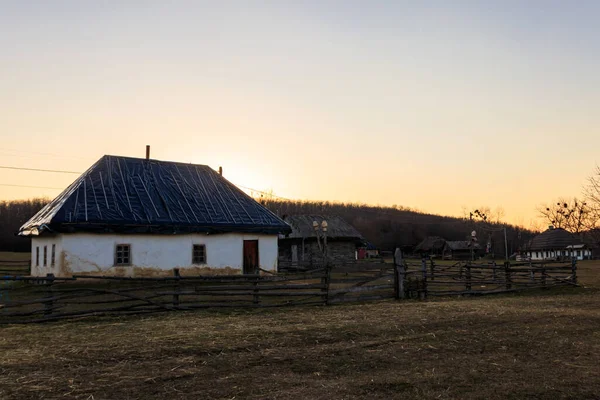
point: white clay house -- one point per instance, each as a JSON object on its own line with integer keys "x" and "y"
{"x": 129, "y": 214}
{"x": 557, "y": 243}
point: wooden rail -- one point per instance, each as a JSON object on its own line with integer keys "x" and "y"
{"x": 14, "y": 267}
{"x": 38, "y": 299}
{"x": 471, "y": 278}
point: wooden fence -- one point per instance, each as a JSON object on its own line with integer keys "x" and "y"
{"x": 35, "y": 299}
{"x": 428, "y": 278}
{"x": 14, "y": 267}
{"x": 361, "y": 281}
{"x": 49, "y": 298}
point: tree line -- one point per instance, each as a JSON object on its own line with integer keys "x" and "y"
{"x": 385, "y": 227}
{"x": 13, "y": 214}
{"x": 391, "y": 227}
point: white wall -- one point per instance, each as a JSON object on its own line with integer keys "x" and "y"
{"x": 552, "y": 254}
{"x": 86, "y": 252}
{"x": 38, "y": 269}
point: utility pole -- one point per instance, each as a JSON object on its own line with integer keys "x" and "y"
{"x": 505, "y": 245}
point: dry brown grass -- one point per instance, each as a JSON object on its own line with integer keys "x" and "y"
{"x": 10, "y": 256}
{"x": 544, "y": 345}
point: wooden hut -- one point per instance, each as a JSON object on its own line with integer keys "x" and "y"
{"x": 432, "y": 246}
{"x": 301, "y": 246}
{"x": 461, "y": 249}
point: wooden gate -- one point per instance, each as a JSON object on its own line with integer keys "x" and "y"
{"x": 361, "y": 281}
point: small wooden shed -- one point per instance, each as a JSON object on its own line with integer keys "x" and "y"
{"x": 301, "y": 245}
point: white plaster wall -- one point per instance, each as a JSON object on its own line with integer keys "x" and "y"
{"x": 85, "y": 252}
{"x": 48, "y": 241}
{"x": 541, "y": 255}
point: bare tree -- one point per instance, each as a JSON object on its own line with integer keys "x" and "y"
{"x": 498, "y": 215}
{"x": 572, "y": 215}
{"x": 535, "y": 225}
{"x": 592, "y": 196}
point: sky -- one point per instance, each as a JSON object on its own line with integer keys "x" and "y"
{"x": 435, "y": 105}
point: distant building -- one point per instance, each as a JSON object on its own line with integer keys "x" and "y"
{"x": 301, "y": 245}
{"x": 461, "y": 250}
{"x": 367, "y": 250}
{"x": 128, "y": 214}
{"x": 432, "y": 246}
{"x": 557, "y": 243}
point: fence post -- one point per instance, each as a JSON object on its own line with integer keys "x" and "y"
{"x": 531, "y": 273}
{"x": 507, "y": 277}
{"x": 399, "y": 275}
{"x": 176, "y": 296}
{"x": 574, "y": 270}
{"x": 432, "y": 268}
{"x": 468, "y": 277}
{"x": 494, "y": 270}
{"x": 424, "y": 280}
{"x": 325, "y": 283}
{"x": 544, "y": 276}
{"x": 49, "y": 303}
{"x": 255, "y": 296}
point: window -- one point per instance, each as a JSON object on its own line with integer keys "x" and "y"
{"x": 199, "y": 254}
{"x": 123, "y": 254}
{"x": 537, "y": 254}
{"x": 547, "y": 255}
{"x": 578, "y": 253}
{"x": 45, "y": 255}
{"x": 53, "y": 255}
{"x": 37, "y": 256}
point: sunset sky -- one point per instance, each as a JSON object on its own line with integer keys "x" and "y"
{"x": 433, "y": 105}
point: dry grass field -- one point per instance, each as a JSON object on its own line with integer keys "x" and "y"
{"x": 9, "y": 256}
{"x": 540, "y": 345}
{"x": 14, "y": 263}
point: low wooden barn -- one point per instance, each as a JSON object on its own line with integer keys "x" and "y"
{"x": 301, "y": 245}
{"x": 461, "y": 249}
{"x": 431, "y": 246}
{"x": 127, "y": 215}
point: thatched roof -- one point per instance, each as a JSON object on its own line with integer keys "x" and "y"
{"x": 461, "y": 245}
{"x": 556, "y": 238}
{"x": 337, "y": 228}
{"x": 431, "y": 243}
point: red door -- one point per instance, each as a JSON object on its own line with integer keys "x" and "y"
{"x": 251, "y": 256}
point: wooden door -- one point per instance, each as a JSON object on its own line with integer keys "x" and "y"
{"x": 251, "y": 257}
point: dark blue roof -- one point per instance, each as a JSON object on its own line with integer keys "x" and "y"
{"x": 124, "y": 194}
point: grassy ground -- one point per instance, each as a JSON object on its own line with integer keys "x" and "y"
{"x": 542, "y": 345}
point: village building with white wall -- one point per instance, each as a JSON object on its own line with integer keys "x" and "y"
{"x": 128, "y": 216}
{"x": 555, "y": 244}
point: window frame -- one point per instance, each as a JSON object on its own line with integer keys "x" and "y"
{"x": 53, "y": 256}
{"x": 117, "y": 255}
{"x": 205, "y": 257}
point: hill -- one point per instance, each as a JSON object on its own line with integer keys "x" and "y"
{"x": 385, "y": 227}
{"x": 391, "y": 227}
